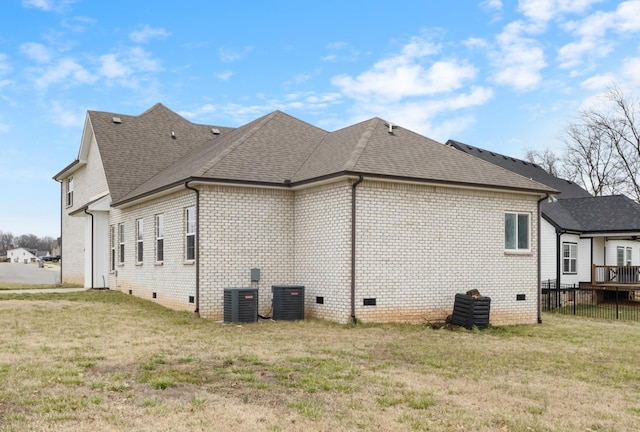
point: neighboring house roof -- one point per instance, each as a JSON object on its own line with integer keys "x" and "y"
{"x": 141, "y": 156}
{"x": 576, "y": 209}
{"x": 601, "y": 214}
{"x": 567, "y": 189}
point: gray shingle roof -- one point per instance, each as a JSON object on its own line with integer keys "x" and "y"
{"x": 141, "y": 157}
{"x": 567, "y": 189}
{"x": 141, "y": 146}
{"x": 601, "y": 214}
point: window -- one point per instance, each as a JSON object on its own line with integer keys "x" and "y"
{"x": 190, "y": 252}
{"x": 569, "y": 257}
{"x": 159, "y": 238}
{"x": 624, "y": 256}
{"x": 121, "y": 241}
{"x": 139, "y": 240}
{"x": 69, "y": 191}
{"x": 516, "y": 231}
{"x": 112, "y": 247}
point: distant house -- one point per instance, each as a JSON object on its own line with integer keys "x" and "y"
{"x": 378, "y": 223}
{"x": 21, "y": 255}
{"x": 583, "y": 237}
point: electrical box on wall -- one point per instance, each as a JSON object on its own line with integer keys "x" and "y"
{"x": 255, "y": 275}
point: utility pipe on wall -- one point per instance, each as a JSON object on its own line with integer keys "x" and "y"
{"x": 353, "y": 249}
{"x": 92, "y": 240}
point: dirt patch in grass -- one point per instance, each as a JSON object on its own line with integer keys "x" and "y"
{"x": 105, "y": 361}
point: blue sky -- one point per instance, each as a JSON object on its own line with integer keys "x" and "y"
{"x": 503, "y": 75}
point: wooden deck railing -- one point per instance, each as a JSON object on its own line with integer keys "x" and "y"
{"x": 619, "y": 275}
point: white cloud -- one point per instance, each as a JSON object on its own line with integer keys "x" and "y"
{"x": 65, "y": 70}
{"x": 111, "y": 67}
{"x": 598, "y": 82}
{"x": 36, "y": 51}
{"x": 224, "y": 76}
{"x": 146, "y": 33}
{"x": 124, "y": 65}
{"x": 66, "y": 117}
{"x": 492, "y": 4}
{"x": 228, "y": 55}
{"x": 404, "y": 75}
{"x": 539, "y": 12}
{"x": 47, "y": 5}
{"x": 5, "y": 67}
{"x": 341, "y": 51}
{"x": 519, "y": 60}
{"x": 631, "y": 70}
{"x": 591, "y": 33}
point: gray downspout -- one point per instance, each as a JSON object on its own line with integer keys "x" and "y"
{"x": 197, "y": 246}
{"x": 92, "y": 241}
{"x": 353, "y": 249}
{"x": 540, "y": 258}
{"x": 559, "y": 256}
{"x": 61, "y": 213}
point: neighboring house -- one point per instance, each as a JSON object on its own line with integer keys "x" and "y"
{"x": 21, "y": 255}
{"x": 378, "y": 223}
{"x": 580, "y": 233}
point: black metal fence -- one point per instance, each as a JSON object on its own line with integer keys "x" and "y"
{"x": 589, "y": 301}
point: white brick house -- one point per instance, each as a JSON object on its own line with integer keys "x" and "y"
{"x": 176, "y": 212}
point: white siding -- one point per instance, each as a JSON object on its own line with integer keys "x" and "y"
{"x": 549, "y": 257}
{"x": 584, "y": 260}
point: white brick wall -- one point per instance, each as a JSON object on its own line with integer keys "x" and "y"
{"x": 173, "y": 280}
{"x": 241, "y": 229}
{"x": 417, "y": 246}
{"x": 323, "y": 249}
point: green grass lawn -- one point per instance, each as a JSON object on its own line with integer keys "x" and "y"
{"x": 102, "y": 360}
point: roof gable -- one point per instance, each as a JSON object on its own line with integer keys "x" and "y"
{"x": 136, "y": 148}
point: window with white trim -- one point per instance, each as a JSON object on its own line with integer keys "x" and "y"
{"x": 139, "y": 240}
{"x": 112, "y": 247}
{"x": 159, "y": 238}
{"x": 569, "y": 258}
{"x": 624, "y": 256}
{"x": 190, "y": 241}
{"x": 69, "y": 191}
{"x": 121, "y": 243}
{"x": 517, "y": 231}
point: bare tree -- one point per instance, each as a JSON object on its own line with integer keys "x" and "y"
{"x": 547, "y": 160}
{"x": 27, "y": 241}
{"x": 6, "y": 241}
{"x": 603, "y": 149}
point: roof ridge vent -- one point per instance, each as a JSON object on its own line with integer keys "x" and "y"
{"x": 116, "y": 120}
